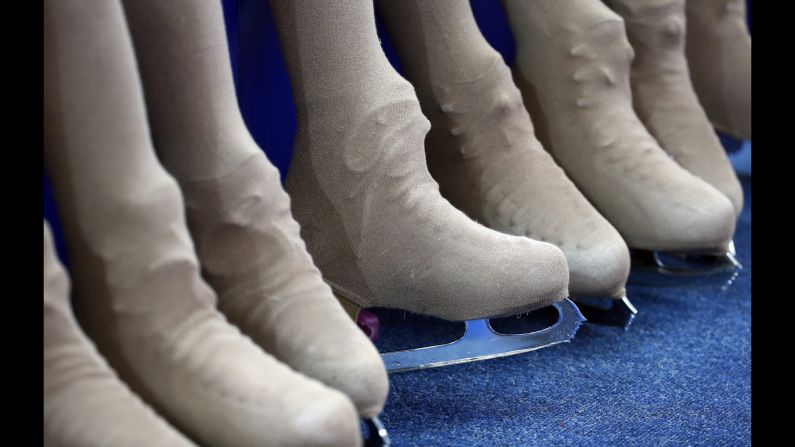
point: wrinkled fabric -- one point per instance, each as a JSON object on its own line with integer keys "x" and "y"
{"x": 85, "y": 403}
{"x": 239, "y": 216}
{"x": 482, "y": 148}
{"x": 140, "y": 296}
{"x": 719, "y": 56}
{"x": 663, "y": 94}
{"x": 370, "y": 213}
{"x": 572, "y": 65}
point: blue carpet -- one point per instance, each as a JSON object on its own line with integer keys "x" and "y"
{"x": 680, "y": 376}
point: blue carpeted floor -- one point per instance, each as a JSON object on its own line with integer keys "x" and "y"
{"x": 680, "y": 376}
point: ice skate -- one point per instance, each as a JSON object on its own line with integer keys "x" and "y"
{"x": 140, "y": 296}
{"x": 370, "y": 213}
{"x": 238, "y": 214}
{"x": 572, "y": 66}
{"x": 482, "y": 148}
{"x": 664, "y": 99}
{"x": 663, "y": 93}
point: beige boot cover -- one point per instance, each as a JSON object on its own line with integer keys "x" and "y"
{"x": 140, "y": 294}
{"x": 370, "y": 213}
{"x": 482, "y": 147}
{"x": 248, "y": 243}
{"x": 572, "y": 64}
{"x": 663, "y": 94}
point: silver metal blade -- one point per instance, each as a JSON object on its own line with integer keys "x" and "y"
{"x": 608, "y": 311}
{"x": 378, "y": 434}
{"x": 684, "y": 269}
{"x": 481, "y": 342}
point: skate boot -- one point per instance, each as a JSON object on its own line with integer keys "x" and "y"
{"x": 572, "y": 66}
{"x": 483, "y": 152}
{"x": 239, "y": 217}
{"x": 85, "y": 403}
{"x": 370, "y": 213}
{"x": 140, "y": 295}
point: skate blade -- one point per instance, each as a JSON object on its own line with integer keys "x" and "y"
{"x": 608, "y": 311}
{"x": 377, "y": 435}
{"x": 683, "y": 269}
{"x": 481, "y": 342}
